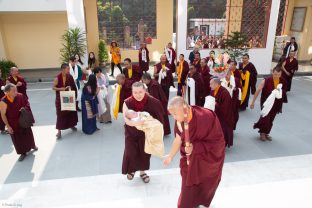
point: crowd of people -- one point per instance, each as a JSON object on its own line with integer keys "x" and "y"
{"x": 206, "y": 109}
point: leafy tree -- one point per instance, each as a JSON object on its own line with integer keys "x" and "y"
{"x": 73, "y": 42}
{"x": 235, "y": 45}
{"x": 5, "y": 66}
{"x": 103, "y": 53}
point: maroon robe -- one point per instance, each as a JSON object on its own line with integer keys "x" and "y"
{"x": 236, "y": 101}
{"x": 265, "y": 124}
{"x": 144, "y": 66}
{"x": 136, "y": 73}
{"x": 22, "y": 88}
{"x": 154, "y": 89}
{"x": 134, "y": 158}
{"x": 196, "y": 63}
{"x": 252, "y": 82}
{"x": 205, "y": 73}
{"x": 65, "y": 119}
{"x": 173, "y": 57}
{"x": 167, "y": 82}
{"x": 224, "y": 111}
{"x": 2, "y": 125}
{"x": 199, "y": 89}
{"x": 237, "y": 74}
{"x": 22, "y": 138}
{"x": 291, "y": 67}
{"x": 185, "y": 71}
{"x": 125, "y": 92}
{"x": 200, "y": 179}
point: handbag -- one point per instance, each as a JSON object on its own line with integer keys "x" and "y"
{"x": 68, "y": 100}
{"x": 26, "y": 119}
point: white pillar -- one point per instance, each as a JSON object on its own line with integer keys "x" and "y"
{"x": 76, "y": 18}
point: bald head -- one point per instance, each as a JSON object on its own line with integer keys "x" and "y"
{"x": 175, "y": 107}
{"x": 120, "y": 79}
{"x": 214, "y": 83}
{"x": 14, "y": 71}
{"x": 163, "y": 59}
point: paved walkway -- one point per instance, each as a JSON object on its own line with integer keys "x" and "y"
{"x": 84, "y": 171}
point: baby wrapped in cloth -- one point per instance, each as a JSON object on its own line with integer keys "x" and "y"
{"x": 153, "y": 130}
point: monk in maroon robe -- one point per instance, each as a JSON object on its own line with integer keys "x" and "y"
{"x": 125, "y": 90}
{"x": 265, "y": 123}
{"x": 154, "y": 89}
{"x": 134, "y": 158}
{"x": 2, "y": 125}
{"x": 223, "y": 109}
{"x": 10, "y": 105}
{"x": 182, "y": 72}
{"x": 171, "y": 57}
{"x": 235, "y": 72}
{"x": 196, "y": 61}
{"x": 163, "y": 75}
{"x": 65, "y": 119}
{"x": 131, "y": 71}
{"x": 236, "y": 91}
{"x": 251, "y": 88}
{"x": 205, "y": 74}
{"x": 289, "y": 67}
{"x": 199, "y": 86}
{"x": 144, "y": 57}
{"x": 202, "y": 154}
{"x": 17, "y": 80}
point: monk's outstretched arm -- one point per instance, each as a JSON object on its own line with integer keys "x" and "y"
{"x": 3, "y": 109}
{"x": 174, "y": 149}
{"x": 260, "y": 87}
{"x": 155, "y": 72}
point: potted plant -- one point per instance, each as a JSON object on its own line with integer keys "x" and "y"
{"x": 73, "y": 42}
{"x": 5, "y": 66}
{"x": 103, "y": 53}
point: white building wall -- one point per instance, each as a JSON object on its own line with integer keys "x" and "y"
{"x": 260, "y": 57}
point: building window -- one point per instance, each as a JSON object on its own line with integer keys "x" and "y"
{"x": 210, "y": 22}
{"x": 127, "y": 22}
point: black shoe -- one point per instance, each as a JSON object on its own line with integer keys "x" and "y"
{"x": 78, "y": 109}
{"x": 35, "y": 148}
{"x": 74, "y": 128}
{"x": 22, "y": 157}
{"x": 58, "y": 136}
{"x": 108, "y": 122}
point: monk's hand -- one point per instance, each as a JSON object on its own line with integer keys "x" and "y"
{"x": 252, "y": 106}
{"x": 167, "y": 161}
{"x": 10, "y": 130}
{"x": 19, "y": 84}
{"x": 189, "y": 149}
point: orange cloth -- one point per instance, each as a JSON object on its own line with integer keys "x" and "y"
{"x": 245, "y": 88}
{"x": 130, "y": 72}
{"x": 179, "y": 72}
{"x": 9, "y": 99}
{"x": 276, "y": 82}
{"x": 216, "y": 91}
{"x": 115, "y": 55}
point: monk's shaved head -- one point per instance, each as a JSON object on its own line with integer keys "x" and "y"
{"x": 163, "y": 59}
{"x": 176, "y": 106}
{"x": 215, "y": 82}
{"x": 120, "y": 76}
{"x": 176, "y": 102}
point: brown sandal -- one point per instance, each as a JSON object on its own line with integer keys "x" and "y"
{"x": 145, "y": 178}
{"x": 130, "y": 176}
